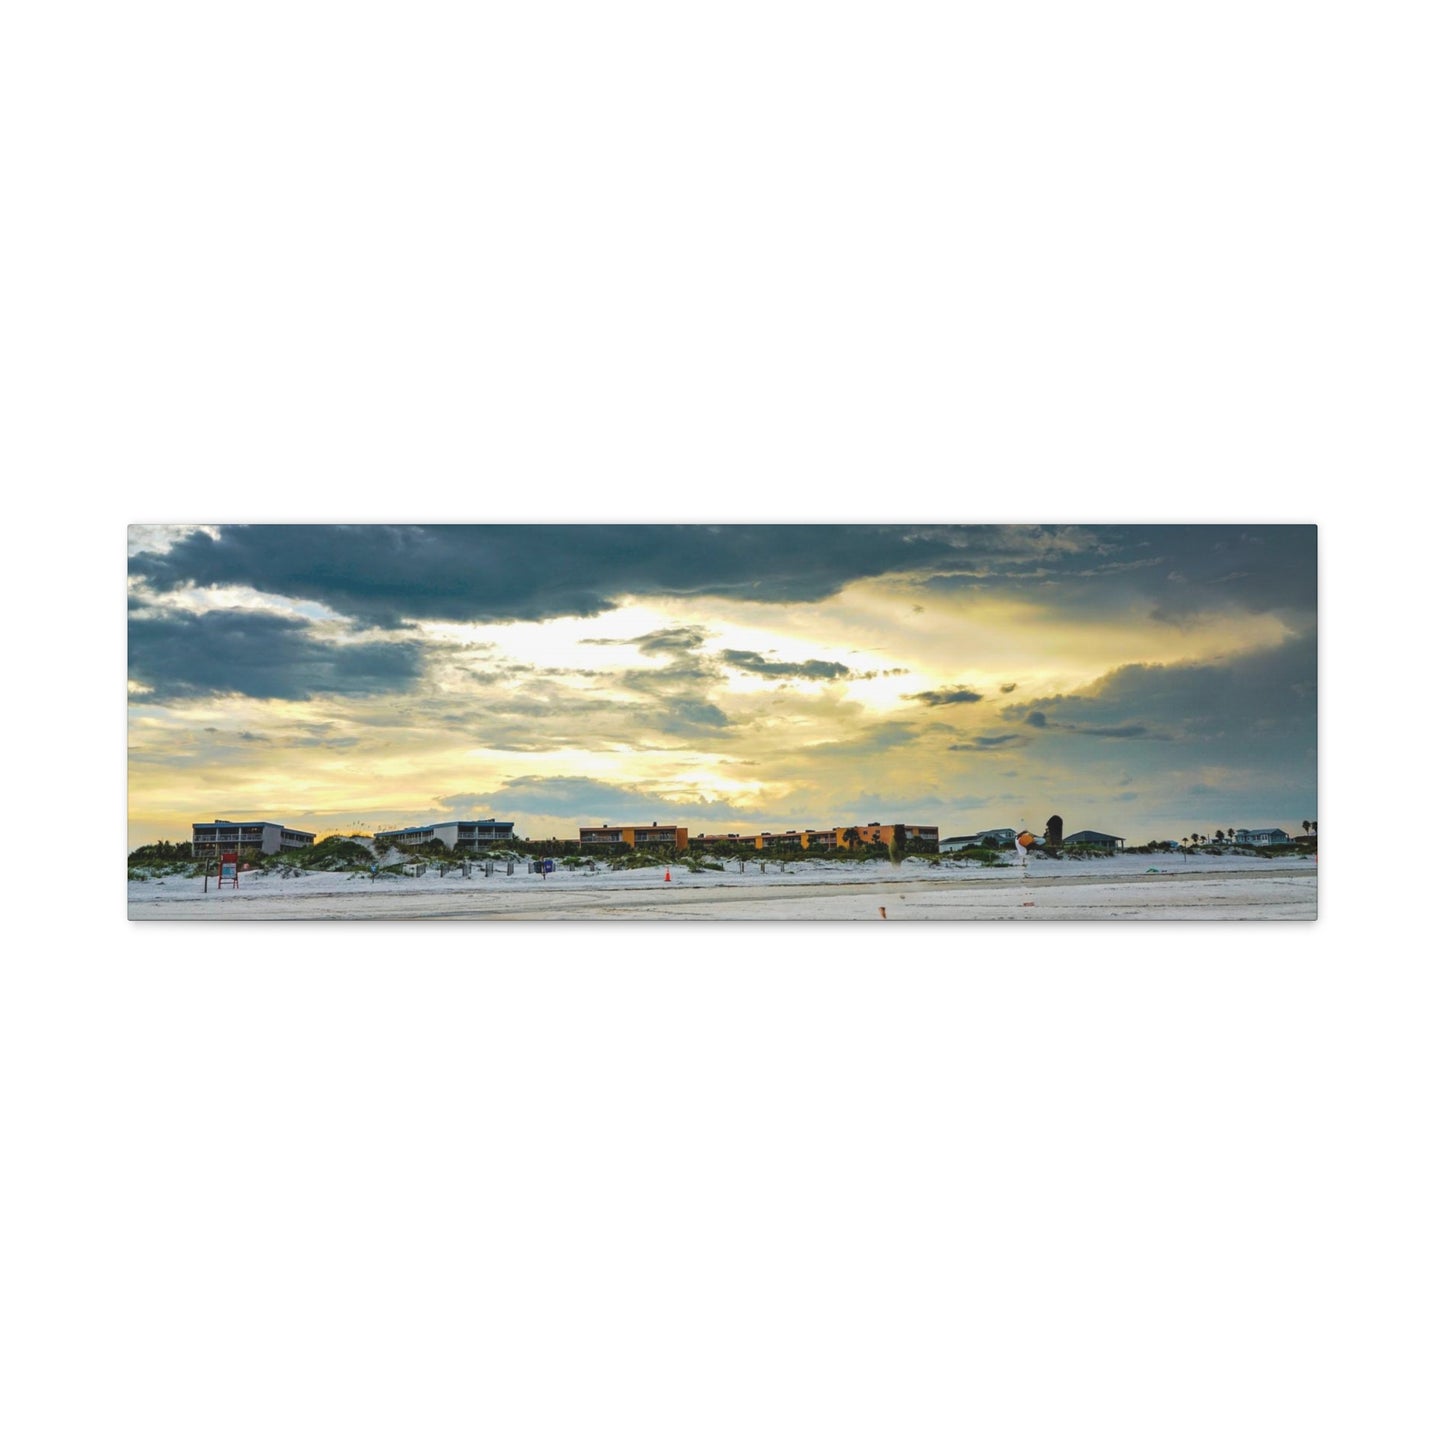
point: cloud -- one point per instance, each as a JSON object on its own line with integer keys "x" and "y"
{"x": 1117, "y": 730}
{"x": 663, "y": 641}
{"x": 1008, "y": 687}
{"x": 586, "y": 799}
{"x": 259, "y": 654}
{"x": 1170, "y": 572}
{"x": 383, "y": 574}
{"x": 986, "y": 743}
{"x": 814, "y": 668}
{"x": 946, "y": 697}
{"x": 1250, "y": 709}
{"x": 677, "y": 695}
{"x": 869, "y": 742}
{"x": 692, "y": 713}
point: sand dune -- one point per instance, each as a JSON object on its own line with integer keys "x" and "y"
{"x": 1128, "y": 887}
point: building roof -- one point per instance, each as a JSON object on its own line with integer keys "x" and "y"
{"x": 231, "y": 823}
{"x": 630, "y": 825}
{"x": 1088, "y": 835}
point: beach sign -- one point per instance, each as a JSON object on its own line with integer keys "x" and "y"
{"x": 228, "y": 873}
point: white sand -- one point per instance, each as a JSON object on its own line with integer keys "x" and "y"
{"x": 1107, "y": 888}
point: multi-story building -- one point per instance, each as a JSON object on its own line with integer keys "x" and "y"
{"x": 918, "y": 835}
{"x": 1262, "y": 837}
{"x": 634, "y": 835}
{"x": 477, "y": 833}
{"x": 793, "y": 838}
{"x": 224, "y": 836}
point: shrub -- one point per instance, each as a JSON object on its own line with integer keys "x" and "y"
{"x": 332, "y": 855}
{"x": 162, "y": 852}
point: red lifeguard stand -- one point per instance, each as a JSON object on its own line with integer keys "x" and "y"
{"x": 228, "y": 871}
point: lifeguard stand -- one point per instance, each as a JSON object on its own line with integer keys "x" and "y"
{"x": 229, "y": 871}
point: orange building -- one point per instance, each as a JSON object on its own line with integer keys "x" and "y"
{"x": 918, "y": 834}
{"x": 793, "y": 838}
{"x": 635, "y": 835}
{"x": 922, "y": 834}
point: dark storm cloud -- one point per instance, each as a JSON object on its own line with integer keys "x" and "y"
{"x": 383, "y": 574}
{"x": 814, "y": 668}
{"x": 259, "y": 654}
{"x": 1252, "y": 710}
{"x": 1008, "y": 687}
{"x": 945, "y": 697}
{"x": 1171, "y": 571}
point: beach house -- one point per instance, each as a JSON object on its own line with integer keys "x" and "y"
{"x": 1090, "y": 839}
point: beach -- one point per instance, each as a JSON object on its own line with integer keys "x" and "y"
{"x": 1127, "y": 887}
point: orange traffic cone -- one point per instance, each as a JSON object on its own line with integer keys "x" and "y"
{"x": 667, "y": 877}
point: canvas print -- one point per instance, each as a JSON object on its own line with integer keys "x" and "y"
{"x": 865, "y": 723}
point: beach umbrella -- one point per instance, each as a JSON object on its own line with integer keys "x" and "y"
{"x": 1022, "y": 844}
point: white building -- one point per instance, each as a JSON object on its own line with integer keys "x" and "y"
{"x": 1261, "y": 837}
{"x": 224, "y": 836}
{"x": 478, "y": 833}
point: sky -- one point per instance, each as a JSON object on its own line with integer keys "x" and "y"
{"x": 1146, "y": 681}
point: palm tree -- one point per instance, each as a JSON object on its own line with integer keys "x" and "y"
{"x": 1219, "y": 835}
{"x": 1231, "y": 835}
{"x": 852, "y": 838}
{"x": 1194, "y": 838}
